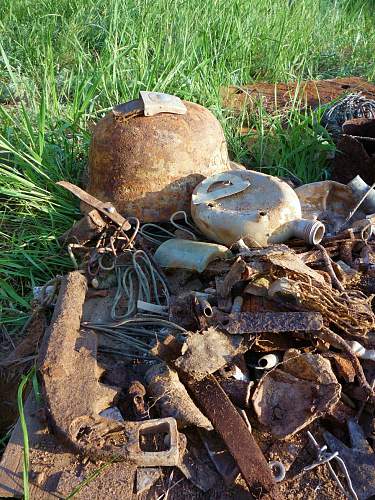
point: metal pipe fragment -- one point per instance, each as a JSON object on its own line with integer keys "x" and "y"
{"x": 205, "y": 306}
{"x": 267, "y": 362}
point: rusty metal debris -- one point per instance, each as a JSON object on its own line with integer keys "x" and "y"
{"x": 172, "y": 399}
{"x": 205, "y": 353}
{"x": 298, "y": 391}
{"x": 272, "y": 322}
{"x": 236, "y": 435}
{"x": 182, "y": 149}
{"x": 185, "y": 353}
{"x": 136, "y": 400}
{"x": 75, "y": 417}
{"x": 106, "y": 209}
{"x": 85, "y": 230}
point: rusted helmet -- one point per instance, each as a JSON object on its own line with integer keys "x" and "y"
{"x": 147, "y": 155}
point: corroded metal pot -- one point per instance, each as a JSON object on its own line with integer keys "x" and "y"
{"x": 148, "y": 166}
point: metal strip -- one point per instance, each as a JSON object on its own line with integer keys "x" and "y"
{"x": 273, "y": 322}
{"x": 226, "y": 420}
{"x": 94, "y": 202}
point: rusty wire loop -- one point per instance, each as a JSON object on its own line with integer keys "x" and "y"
{"x": 107, "y": 247}
{"x": 324, "y": 457}
{"x": 138, "y": 280}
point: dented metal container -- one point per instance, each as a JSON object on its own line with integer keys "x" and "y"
{"x": 255, "y": 207}
{"x": 147, "y": 155}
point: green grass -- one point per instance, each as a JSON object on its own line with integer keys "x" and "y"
{"x": 93, "y": 475}
{"x": 25, "y": 435}
{"x": 63, "y": 63}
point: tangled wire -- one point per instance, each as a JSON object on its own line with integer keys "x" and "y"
{"x": 139, "y": 282}
{"x": 349, "y": 311}
{"x": 347, "y": 108}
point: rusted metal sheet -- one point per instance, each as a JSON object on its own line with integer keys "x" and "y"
{"x": 310, "y": 93}
{"x": 205, "y": 353}
{"x": 238, "y": 391}
{"x": 299, "y": 390}
{"x": 171, "y": 398}
{"x": 237, "y": 272}
{"x": 273, "y": 322}
{"x": 216, "y": 405}
{"x": 104, "y": 208}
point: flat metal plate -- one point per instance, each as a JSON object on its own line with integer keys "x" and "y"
{"x": 157, "y": 102}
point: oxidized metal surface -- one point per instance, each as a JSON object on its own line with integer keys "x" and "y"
{"x": 86, "y": 229}
{"x": 227, "y": 421}
{"x": 311, "y": 93}
{"x": 328, "y": 201}
{"x": 205, "y": 353}
{"x": 273, "y": 322}
{"x": 148, "y": 166}
{"x": 299, "y": 390}
{"x": 75, "y": 415}
{"x": 98, "y": 204}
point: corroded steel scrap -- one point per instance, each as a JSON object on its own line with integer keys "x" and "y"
{"x": 75, "y": 397}
{"x": 106, "y": 209}
{"x": 86, "y": 229}
{"x": 135, "y": 399}
{"x": 227, "y": 421}
{"x": 298, "y": 391}
{"x": 172, "y": 399}
{"x": 148, "y": 166}
{"x": 206, "y": 352}
{"x": 273, "y": 322}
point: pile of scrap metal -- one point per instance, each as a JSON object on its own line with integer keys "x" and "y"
{"x": 219, "y": 321}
